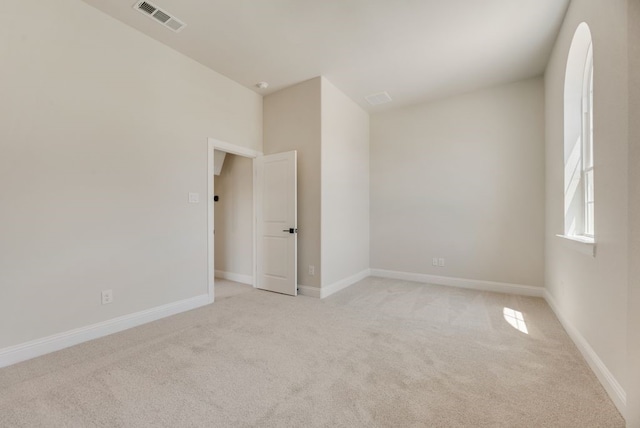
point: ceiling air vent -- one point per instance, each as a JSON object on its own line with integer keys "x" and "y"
{"x": 162, "y": 16}
{"x": 379, "y": 98}
{"x": 146, "y": 7}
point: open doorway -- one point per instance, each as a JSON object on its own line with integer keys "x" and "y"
{"x": 273, "y": 220}
{"x": 237, "y": 237}
{"x": 233, "y": 223}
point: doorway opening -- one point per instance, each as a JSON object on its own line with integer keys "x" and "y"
{"x": 274, "y": 221}
{"x": 231, "y": 219}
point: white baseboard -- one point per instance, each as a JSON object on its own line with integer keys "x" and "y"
{"x": 606, "y": 378}
{"x": 237, "y": 277}
{"x": 328, "y": 290}
{"x": 56, "y": 342}
{"x": 475, "y": 284}
{"x": 305, "y": 290}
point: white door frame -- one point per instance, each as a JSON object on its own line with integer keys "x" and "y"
{"x": 214, "y": 144}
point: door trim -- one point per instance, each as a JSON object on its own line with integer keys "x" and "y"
{"x": 214, "y": 144}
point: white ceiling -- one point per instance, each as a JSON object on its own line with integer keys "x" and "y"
{"x": 414, "y": 49}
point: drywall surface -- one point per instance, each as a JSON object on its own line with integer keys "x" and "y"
{"x": 462, "y": 179}
{"x": 345, "y": 186}
{"x": 234, "y": 216}
{"x": 591, "y": 292}
{"x": 103, "y": 135}
{"x": 292, "y": 122}
{"x": 633, "y": 321}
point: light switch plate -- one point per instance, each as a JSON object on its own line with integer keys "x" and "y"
{"x": 194, "y": 198}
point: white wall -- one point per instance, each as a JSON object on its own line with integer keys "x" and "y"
{"x": 331, "y": 134}
{"x": 292, "y": 122}
{"x": 591, "y": 293}
{"x": 461, "y": 179}
{"x": 234, "y": 216}
{"x": 633, "y": 320}
{"x": 345, "y": 186}
{"x": 104, "y": 132}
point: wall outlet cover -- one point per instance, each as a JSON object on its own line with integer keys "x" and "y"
{"x": 107, "y": 297}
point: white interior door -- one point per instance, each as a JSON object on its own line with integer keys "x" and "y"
{"x": 277, "y": 226}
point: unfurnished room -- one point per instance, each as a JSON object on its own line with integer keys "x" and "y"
{"x": 337, "y": 213}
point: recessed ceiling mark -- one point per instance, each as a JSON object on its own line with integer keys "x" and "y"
{"x": 378, "y": 98}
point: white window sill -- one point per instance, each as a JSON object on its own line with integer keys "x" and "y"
{"x": 582, "y": 244}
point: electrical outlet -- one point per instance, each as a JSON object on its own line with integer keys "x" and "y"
{"x": 107, "y": 297}
{"x": 194, "y": 198}
{"x": 312, "y": 270}
{"x": 434, "y": 261}
{"x": 441, "y": 262}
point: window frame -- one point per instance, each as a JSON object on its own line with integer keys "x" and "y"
{"x": 579, "y": 171}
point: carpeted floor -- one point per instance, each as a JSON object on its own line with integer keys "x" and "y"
{"x": 381, "y": 353}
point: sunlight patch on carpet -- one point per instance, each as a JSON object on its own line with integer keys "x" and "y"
{"x": 516, "y": 319}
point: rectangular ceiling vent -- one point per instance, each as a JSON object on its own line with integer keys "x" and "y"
{"x": 377, "y": 99}
{"x": 162, "y": 16}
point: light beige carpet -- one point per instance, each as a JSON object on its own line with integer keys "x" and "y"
{"x": 379, "y": 354}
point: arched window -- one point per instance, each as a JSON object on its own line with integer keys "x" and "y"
{"x": 579, "y": 201}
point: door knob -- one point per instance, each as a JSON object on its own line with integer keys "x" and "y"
{"x": 291, "y": 230}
